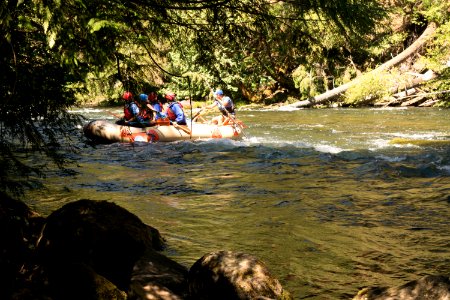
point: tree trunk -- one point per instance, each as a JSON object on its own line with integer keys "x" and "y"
{"x": 428, "y": 32}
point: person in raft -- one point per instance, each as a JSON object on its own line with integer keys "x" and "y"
{"x": 153, "y": 99}
{"x": 131, "y": 112}
{"x": 225, "y": 106}
{"x": 147, "y": 110}
{"x": 174, "y": 109}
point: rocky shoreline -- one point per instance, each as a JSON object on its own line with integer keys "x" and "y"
{"x": 98, "y": 250}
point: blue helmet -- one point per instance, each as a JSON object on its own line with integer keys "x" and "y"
{"x": 218, "y": 92}
{"x": 143, "y": 97}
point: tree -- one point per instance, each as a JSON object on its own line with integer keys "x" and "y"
{"x": 34, "y": 97}
{"x": 50, "y": 49}
{"x": 250, "y": 45}
{"x": 426, "y": 35}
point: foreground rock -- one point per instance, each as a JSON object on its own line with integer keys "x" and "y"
{"x": 158, "y": 277}
{"x": 431, "y": 287}
{"x": 230, "y": 275}
{"x": 91, "y": 247}
{"x": 98, "y": 250}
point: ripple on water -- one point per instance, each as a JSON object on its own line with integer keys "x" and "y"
{"x": 321, "y": 197}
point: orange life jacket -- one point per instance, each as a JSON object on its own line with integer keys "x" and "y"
{"x": 170, "y": 112}
{"x": 127, "y": 111}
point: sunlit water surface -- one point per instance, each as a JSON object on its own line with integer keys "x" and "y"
{"x": 321, "y": 196}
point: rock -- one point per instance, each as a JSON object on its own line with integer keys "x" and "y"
{"x": 74, "y": 281}
{"x": 157, "y": 277}
{"x": 98, "y": 234}
{"x": 97, "y": 250}
{"x": 431, "y": 287}
{"x": 229, "y": 275}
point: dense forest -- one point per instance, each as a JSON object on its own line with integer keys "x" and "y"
{"x": 57, "y": 54}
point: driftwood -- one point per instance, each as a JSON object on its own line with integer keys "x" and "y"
{"x": 413, "y": 101}
{"x": 425, "y": 36}
{"x": 409, "y": 90}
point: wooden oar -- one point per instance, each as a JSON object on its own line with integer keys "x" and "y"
{"x": 185, "y": 129}
{"x": 197, "y": 114}
{"x": 234, "y": 120}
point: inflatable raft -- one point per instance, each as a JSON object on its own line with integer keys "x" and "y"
{"x": 102, "y": 131}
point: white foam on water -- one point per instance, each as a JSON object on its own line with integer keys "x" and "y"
{"x": 86, "y": 110}
{"x": 414, "y": 136}
{"x": 391, "y": 158}
{"x": 379, "y": 144}
{"x": 328, "y": 149}
{"x": 445, "y": 168}
{"x": 288, "y": 108}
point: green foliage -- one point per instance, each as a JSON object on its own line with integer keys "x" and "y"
{"x": 369, "y": 87}
{"x": 435, "y": 10}
{"x": 303, "y": 81}
{"x": 387, "y": 42}
{"x": 438, "y": 53}
{"x": 437, "y": 58}
{"x": 35, "y": 97}
{"x": 53, "y": 52}
{"x": 257, "y": 55}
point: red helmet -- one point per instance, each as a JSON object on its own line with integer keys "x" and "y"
{"x": 170, "y": 96}
{"x": 127, "y": 96}
{"x": 152, "y": 96}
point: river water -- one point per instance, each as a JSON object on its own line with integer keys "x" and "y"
{"x": 321, "y": 196}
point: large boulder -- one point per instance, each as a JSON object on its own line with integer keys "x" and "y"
{"x": 93, "y": 235}
{"x": 75, "y": 281}
{"x": 229, "y": 275}
{"x": 431, "y": 287}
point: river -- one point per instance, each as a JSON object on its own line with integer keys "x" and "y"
{"x": 321, "y": 196}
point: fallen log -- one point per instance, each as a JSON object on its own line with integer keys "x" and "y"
{"x": 412, "y": 49}
{"x": 415, "y": 95}
{"x": 414, "y": 101}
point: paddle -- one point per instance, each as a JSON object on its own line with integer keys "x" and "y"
{"x": 232, "y": 119}
{"x": 198, "y": 115}
{"x": 185, "y": 129}
{"x": 230, "y": 116}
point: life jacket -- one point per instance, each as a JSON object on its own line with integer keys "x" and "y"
{"x": 170, "y": 113}
{"x": 230, "y": 106}
{"x": 127, "y": 111}
{"x": 225, "y": 110}
{"x": 146, "y": 113}
{"x": 161, "y": 118}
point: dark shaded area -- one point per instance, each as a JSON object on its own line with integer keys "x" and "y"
{"x": 101, "y": 235}
{"x": 84, "y": 250}
{"x": 19, "y": 229}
